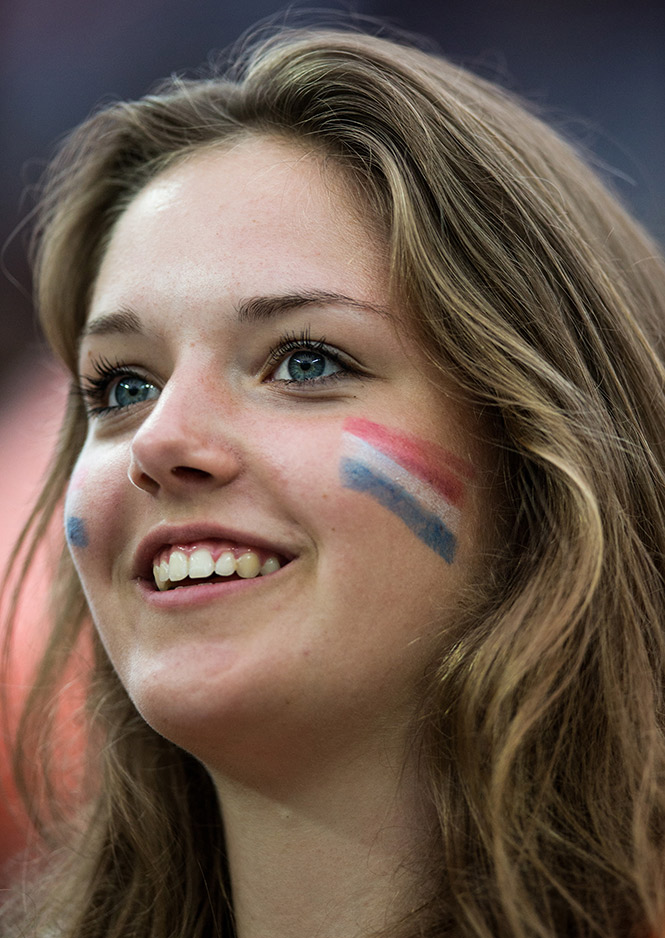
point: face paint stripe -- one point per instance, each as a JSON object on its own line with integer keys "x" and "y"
{"x": 381, "y": 464}
{"x": 379, "y": 434}
{"x": 75, "y": 531}
{"x": 426, "y": 460}
{"x": 429, "y": 528}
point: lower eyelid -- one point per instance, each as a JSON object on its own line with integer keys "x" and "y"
{"x": 333, "y": 383}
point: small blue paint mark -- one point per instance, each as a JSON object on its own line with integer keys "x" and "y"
{"x": 76, "y": 532}
{"x": 425, "y": 525}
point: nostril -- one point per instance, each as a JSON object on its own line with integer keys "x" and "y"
{"x": 143, "y": 481}
{"x": 190, "y": 474}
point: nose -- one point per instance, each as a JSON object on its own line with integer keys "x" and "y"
{"x": 183, "y": 446}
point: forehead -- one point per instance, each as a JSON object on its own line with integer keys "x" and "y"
{"x": 258, "y": 215}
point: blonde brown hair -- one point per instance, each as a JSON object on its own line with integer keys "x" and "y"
{"x": 541, "y": 730}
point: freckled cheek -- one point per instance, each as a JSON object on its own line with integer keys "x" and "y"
{"x": 334, "y": 515}
{"x": 302, "y": 464}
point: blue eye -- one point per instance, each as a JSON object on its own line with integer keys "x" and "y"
{"x": 301, "y": 360}
{"x": 306, "y": 365}
{"x": 113, "y": 387}
{"x": 131, "y": 389}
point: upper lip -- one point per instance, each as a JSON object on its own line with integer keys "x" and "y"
{"x": 165, "y": 535}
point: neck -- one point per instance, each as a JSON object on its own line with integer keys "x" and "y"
{"x": 335, "y": 858}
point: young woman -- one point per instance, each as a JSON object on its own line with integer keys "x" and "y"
{"x": 364, "y": 498}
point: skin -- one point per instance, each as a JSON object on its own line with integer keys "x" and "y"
{"x": 295, "y": 690}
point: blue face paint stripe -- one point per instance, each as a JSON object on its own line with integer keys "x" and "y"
{"x": 75, "y": 531}
{"x": 425, "y": 525}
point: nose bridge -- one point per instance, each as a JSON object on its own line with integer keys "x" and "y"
{"x": 188, "y": 428}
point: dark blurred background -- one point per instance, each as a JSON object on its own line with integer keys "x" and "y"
{"x": 596, "y": 67}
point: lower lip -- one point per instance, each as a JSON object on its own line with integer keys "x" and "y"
{"x": 202, "y": 594}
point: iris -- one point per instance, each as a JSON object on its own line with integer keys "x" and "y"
{"x": 131, "y": 390}
{"x": 306, "y": 365}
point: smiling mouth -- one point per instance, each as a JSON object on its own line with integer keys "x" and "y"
{"x": 190, "y": 566}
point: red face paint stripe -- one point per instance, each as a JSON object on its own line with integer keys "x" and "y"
{"x": 425, "y": 460}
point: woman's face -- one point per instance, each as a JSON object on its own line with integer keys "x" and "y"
{"x": 254, "y": 407}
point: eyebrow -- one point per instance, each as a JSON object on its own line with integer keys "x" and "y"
{"x": 123, "y": 322}
{"x": 253, "y": 309}
{"x": 261, "y": 308}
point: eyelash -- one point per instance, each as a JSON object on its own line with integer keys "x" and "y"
{"x": 94, "y": 388}
{"x": 302, "y": 341}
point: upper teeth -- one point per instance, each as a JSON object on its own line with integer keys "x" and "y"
{"x": 200, "y": 563}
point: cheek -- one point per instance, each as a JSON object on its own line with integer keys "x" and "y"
{"x": 91, "y": 503}
{"x": 375, "y": 484}
{"x": 76, "y": 529}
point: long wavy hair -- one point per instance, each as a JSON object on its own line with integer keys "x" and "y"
{"x": 540, "y": 734}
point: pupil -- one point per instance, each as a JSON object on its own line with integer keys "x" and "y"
{"x": 129, "y": 391}
{"x": 306, "y": 365}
